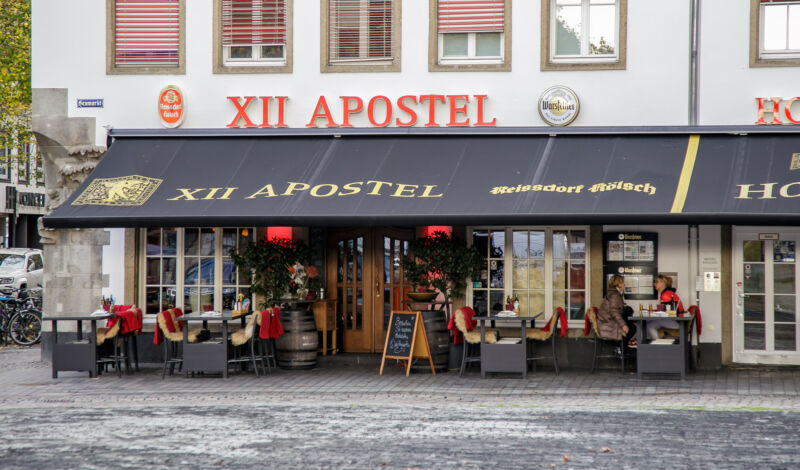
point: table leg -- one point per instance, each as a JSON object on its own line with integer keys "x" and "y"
{"x": 682, "y": 339}
{"x": 93, "y": 342}
{"x": 185, "y": 342}
{"x": 55, "y": 341}
{"x": 225, "y": 342}
{"x": 525, "y": 350}
{"x": 483, "y": 341}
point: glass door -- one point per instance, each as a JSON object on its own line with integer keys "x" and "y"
{"x": 366, "y": 277}
{"x": 765, "y": 297}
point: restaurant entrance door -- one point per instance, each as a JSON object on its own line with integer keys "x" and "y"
{"x": 766, "y": 300}
{"x": 366, "y": 277}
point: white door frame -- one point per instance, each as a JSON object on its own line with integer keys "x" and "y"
{"x": 768, "y": 355}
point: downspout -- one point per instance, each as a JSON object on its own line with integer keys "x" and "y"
{"x": 694, "y": 38}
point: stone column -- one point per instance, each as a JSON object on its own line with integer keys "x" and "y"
{"x": 73, "y": 258}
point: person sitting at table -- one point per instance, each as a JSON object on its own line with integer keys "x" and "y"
{"x": 668, "y": 297}
{"x": 611, "y": 322}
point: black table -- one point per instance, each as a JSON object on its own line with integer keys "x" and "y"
{"x": 78, "y": 355}
{"x": 212, "y": 355}
{"x": 661, "y": 358}
{"x": 505, "y": 357}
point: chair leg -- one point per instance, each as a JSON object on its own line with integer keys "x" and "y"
{"x": 555, "y": 356}
{"x": 622, "y": 349}
{"x": 166, "y": 358}
{"x": 463, "y": 359}
{"x": 594, "y": 358}
{"x": 253, "y": 356}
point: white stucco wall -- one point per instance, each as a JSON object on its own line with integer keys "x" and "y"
{"x": 69, "y": 51}
{"x": 114, "y": 265}
{"x": 728, "y": 85}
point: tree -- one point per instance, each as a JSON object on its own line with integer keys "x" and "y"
{"x": 15, "y": 73}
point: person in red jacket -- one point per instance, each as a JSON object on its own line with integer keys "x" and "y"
{"x": 668, "y": 297}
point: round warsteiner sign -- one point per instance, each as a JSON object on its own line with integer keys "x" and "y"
{"x": 559, "y": 106}
{"x": 170, "y": 106}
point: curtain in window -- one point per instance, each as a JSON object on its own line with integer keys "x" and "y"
{"x": 360, "y": 30}
{"x": 146, "y": 33}
{"x": 471, "y": 16}
{"x": 253, "y": 22}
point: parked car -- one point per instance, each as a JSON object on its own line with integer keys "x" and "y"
{"x": 20, "y": 268}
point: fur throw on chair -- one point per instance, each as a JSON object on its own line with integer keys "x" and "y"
{"x": 195, "y": 335}
{"x": 242, "y": 335}
{"x": 107, "y": 333}
{"x": 541, "y": 334}
{"x": 473, "y": 336}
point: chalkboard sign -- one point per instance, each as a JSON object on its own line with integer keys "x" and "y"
{"x": 400, "y": 334}
{"x": 406, "y": 339}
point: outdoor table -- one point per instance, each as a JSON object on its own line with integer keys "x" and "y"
{"x": 78, "y": 355}
{"x": 209, "y": 355}
{"x": 661, "y": 358}
{"x": 509, "y": 356}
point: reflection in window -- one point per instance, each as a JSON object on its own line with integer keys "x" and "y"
{"x": 584, "y": 29}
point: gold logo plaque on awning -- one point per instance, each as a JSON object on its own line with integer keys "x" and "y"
{"x": 132, "y": 190}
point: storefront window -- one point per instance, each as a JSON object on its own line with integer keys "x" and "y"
{"x": 160, "y": 269}
{"x": 196, "y": 261}
{"x": 548, "y": 270}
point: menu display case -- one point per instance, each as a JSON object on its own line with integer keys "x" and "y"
{"x": 634, "y": 255}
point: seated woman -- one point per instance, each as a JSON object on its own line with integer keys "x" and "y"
{"x": 666, "y": 295}
{"x": 610, "y": 319}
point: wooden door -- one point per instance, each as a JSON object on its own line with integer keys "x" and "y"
{"x": 365, "y": 276}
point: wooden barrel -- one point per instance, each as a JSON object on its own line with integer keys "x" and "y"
{"x": 438, "y": 342}
{"x": 297, "y": 347}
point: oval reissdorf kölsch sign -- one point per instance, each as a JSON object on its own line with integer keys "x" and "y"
{"x": 170, "y": 106}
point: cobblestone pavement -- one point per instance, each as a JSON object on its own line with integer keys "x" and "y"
{"x": 346, "y": 416}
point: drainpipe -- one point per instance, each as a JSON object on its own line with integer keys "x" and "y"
{"x": 694, "y": 38}
{"x": 694, "y": 264}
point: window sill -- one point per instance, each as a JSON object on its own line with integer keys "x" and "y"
{"x": 775, "y": 62}
{"x": 582, "y": 65}
{"x": 466, "y": 66}
{"x": 358, "y": 67}
{"x": 114, "y": 70}
{"x": 255, "y": 68}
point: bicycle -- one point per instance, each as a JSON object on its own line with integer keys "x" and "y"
{"x": 21, "y": 319}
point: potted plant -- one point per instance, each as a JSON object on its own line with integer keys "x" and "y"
{"x": 272, "y": 263}
{"x": 443, "y": 263}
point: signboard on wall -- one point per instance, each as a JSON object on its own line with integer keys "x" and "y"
{"x": 633, "y": 255}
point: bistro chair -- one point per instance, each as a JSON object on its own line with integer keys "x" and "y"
{"x": 110, "y": 351}
{"x": 472, "y": 340}
{"x": 243, "y": 340}
{"x": 266, "y": 346}
{"x": 547, "y": 333}
{"x": 172, "y": 332}
{"x": 618, "y": 351}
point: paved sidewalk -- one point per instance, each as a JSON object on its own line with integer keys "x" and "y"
{"x": 27, "y": 382}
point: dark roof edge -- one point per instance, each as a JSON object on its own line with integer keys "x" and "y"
{"x": 450, "y": 131}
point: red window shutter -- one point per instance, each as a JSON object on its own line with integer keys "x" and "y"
{"x": 360, "y": 30}
{"x": 253, "y": 22}
{"x": 463, "y": 16}
{"x": 147, "y": 33}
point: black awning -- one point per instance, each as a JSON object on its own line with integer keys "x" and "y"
{"x": 363, "y": 180}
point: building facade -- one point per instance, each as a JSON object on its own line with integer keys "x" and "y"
{"x": 566, "y": 139}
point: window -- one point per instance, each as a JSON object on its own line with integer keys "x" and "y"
{"x": 146, "y": 36}
{"x": 774, "y": 33}
{"x": 194, "y": 261}
{"x": 361, "y": 35}
{"x": 583, "y": 34}
{"x": 548, "y": 269}
{"x": 252, "y": 36}
{"x": 24, "y": 160}
{"x": 5, "y": 163}
{"x": 161, "y": 268}
{"x": 470, "y": 35}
